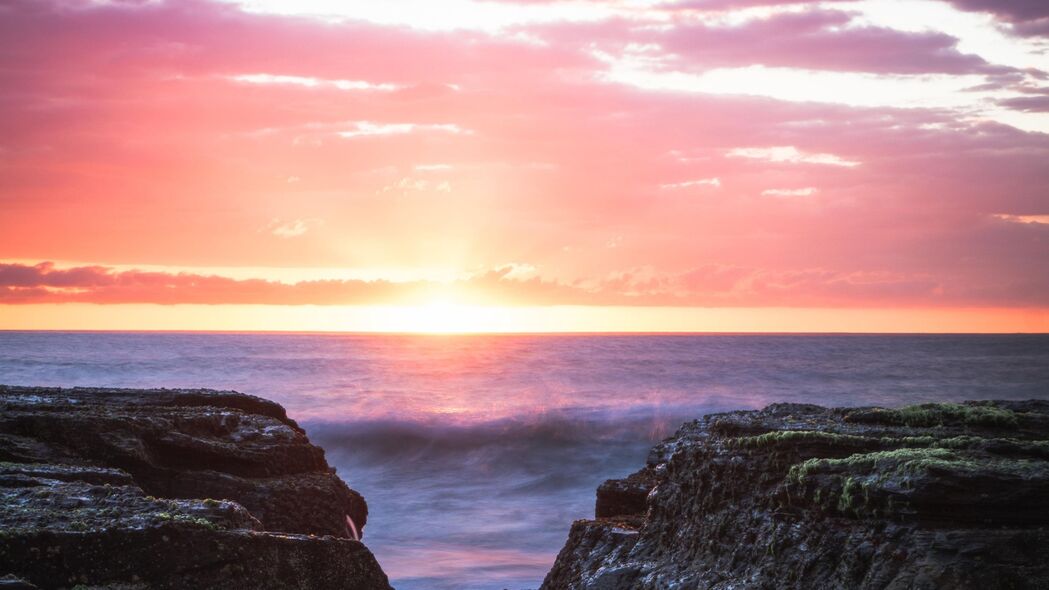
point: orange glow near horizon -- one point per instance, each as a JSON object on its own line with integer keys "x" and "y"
{"x": 447, "y": 318}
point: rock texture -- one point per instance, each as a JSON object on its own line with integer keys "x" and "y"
{"x": 800, "y": 496}
{"x": 115, "y": 488}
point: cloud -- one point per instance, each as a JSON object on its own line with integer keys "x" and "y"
{"x": 511, "y": 284}
{"x": 789, "y": 192}
{"x": 712, "y": 182}
{"x": 313, "y": 82}
{"x": 408, "y": 185}
{"x": 1035, "y": 219}
{"x": 517, "y": 270}
{"x": 291, "y": 229}
{"x": 369, "y": 128}
{"x": 789, "y": 155}
{"x": 818, "y": 39}
{"x": 1013, "y": 10}
{"x": 1030, "y": 104}
{"x": 448, "y": 15}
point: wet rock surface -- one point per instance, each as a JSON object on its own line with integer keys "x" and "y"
{"x": 800, "y": 496}
{"x": 112, "y": 488}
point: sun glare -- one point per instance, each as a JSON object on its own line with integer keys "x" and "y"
{"x": 446, "y": 317}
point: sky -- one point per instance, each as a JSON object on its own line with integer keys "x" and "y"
{"x": 498, "y": 165}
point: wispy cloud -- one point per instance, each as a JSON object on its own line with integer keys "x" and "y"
{"x": 507, "y": 284}
{"x": 282, "y": 80}
{"x": 789, "y": 192}
{"x": 368, "y": 128}
{"x": 292, "y": 228}
{"x": 1038, "y": 219}
{"x": 789, "y": 155}
{"x": 408, "y": 184}
{"x": 709, "y": 182}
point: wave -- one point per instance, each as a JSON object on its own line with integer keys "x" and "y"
{"x": 429, "y": 435}
{"x": 534, "y": 457}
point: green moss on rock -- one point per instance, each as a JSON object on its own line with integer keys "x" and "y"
{"x": 792, "y": 437}
{"x": 940, "y": 414}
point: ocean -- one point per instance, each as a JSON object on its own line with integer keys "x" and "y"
{"x": 476, "y": 452}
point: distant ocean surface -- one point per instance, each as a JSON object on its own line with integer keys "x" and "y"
{"x": 476, "y": 453}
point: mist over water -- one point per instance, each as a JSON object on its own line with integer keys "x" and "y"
{"x": 475, "y": 453}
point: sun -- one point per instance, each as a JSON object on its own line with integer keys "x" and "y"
{"x": 442, "y": 316}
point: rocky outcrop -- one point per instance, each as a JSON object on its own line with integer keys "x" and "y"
{"x": 116, "y": 488}
{"x": 800, "y": 496}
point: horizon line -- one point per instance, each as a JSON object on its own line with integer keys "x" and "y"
{"x": 514, "y": 333}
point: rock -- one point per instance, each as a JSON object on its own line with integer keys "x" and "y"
{"x": 171, "y": 489}
{"x": 10, "y": 582}
{"x": 624, "y": 497}
{"x": 800, "y": 496}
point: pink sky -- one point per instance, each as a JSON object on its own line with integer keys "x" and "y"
{"x": 851, "y": 155}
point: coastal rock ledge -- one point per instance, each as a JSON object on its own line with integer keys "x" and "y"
{"x": 799, "y": 496}
{"x": 156, "y": 489}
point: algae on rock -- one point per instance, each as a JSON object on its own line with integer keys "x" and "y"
{"x": 947, "y": 495}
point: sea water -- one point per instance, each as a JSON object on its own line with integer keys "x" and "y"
{"x": 475, "y": 453}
